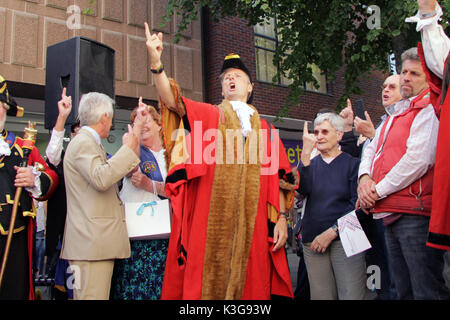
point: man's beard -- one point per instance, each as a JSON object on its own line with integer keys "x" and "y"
{"x": 406, "y": 94}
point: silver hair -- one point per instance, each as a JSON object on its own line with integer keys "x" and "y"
{"x": 334, "y": 119}
{"x": 410, "y": 54}
{"x": 92, "y": 106}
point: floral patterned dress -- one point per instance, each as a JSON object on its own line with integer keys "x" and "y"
{"x": 140, "y": 276}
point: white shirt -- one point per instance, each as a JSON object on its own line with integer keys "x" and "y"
{"x": 129, "y": 193}
{"x": 4, "y": 147}
{"x": 55, "y": 146}
{"x": 419, "y": 156}
{"x": 40, "y": 216}
{"x": 244, "y": 112}
{"x": 94, "y": 133}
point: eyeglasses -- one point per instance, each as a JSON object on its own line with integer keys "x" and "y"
{"x": 389, "y": 86}
{"x": 324, "y": 132}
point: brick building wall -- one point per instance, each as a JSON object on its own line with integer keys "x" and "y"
{"x": 232, "y": 34}
{"x": 28, "y": 27}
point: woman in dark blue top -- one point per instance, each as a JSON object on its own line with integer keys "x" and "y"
{"x": 329, "y": 181}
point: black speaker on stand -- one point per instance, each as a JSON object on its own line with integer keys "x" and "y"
{"x": 81, "y": 65}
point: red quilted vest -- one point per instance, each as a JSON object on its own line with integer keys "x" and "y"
{"x": 416, "y": 198}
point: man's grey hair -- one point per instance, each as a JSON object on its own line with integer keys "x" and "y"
{"x": 334, "y": 119}
{"x": 93, "y": 106}
{"x": 410, "y": 54}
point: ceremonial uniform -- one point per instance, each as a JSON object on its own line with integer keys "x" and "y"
{"x": 439, "y": 236}
{"x": 18, "y": 275}
{"x": 17, "y": 282}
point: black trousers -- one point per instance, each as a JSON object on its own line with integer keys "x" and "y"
{"x": 15, "y": 285}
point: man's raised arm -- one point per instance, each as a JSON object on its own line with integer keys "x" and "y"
{"x": 155, "y": 48}
{"x": 435, "y": 42}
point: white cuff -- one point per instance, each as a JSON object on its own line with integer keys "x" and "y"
{"x": 36, "y": 190}
{"x": 379, "y": 188}
{"x": 421, "y": 23}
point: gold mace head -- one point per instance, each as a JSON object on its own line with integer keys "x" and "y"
{"x": 39, "y": 166}
{"x": 30, "y": 131}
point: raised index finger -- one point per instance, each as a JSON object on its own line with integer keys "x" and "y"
{"x": 147, "y": 31}
{"x": 305, "y": 128}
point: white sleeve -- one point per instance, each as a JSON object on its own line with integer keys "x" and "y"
{"x": 55, "y": 146}
{"x": 419, "y": 157}
{"x": 368, "y": 154}
{"x": 435, "y": 42}
{"x": 436, "y": 46}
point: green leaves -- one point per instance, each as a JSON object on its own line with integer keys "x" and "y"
{"x": 89, "y": 10}
{"x": 330, "y": 34}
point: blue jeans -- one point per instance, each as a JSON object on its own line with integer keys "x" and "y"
{"x": 417, "y": 269}
{"x": 378, "y": 255}
{"x": 40, "y": 251}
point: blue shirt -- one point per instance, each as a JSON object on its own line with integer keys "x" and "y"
{"x": 331, "y": 190}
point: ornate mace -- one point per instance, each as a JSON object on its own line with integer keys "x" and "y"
{"x": 29, "y": 140}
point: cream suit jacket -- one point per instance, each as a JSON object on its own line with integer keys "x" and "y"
{"x": 95, "y": 224}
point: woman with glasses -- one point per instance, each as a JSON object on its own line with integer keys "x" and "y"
{"x": 329, "y": 180}
{"x": 140, "y": 276}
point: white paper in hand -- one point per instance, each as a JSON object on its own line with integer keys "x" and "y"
{"x": 352, "y": 236}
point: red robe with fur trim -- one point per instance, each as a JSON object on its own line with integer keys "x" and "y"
{"x": 190, "y": 185}
{"x": 439, "y": 232}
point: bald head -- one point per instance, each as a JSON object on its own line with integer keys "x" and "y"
{"x": 391, "y": 90}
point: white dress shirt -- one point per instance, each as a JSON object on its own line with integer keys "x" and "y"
{"x": 55, "y": 146}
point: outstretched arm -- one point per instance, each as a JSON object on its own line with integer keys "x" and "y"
{"x": 155, "y": 48}
{"x": 55, "y": 146}
{"x": 435, "y": 42}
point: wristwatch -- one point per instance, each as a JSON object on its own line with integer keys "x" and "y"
{"x": 427, "y": 15}
{"x": 285, "y": 214}
{"x": 335, "y": 228}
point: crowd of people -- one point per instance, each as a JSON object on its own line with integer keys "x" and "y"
{"x": 231, "y": 187}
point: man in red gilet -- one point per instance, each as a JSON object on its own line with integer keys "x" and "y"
{"x": 396, "y": 180}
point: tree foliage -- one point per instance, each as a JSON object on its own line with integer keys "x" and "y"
{"x": 328, "y": 33}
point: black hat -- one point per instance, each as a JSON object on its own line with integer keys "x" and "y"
{"x": 13, "y": 109}
{"x": 234, "y": 61}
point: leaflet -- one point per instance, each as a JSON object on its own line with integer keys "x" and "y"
{"x": 352, "y": 235}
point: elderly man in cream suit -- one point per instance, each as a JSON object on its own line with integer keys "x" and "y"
{"x": 95, "y": 232}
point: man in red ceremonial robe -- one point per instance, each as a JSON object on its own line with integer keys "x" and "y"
{"x": 17, "y": 283}
{"x": 230, "y": 184}
{"x": 434, "y": 53}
